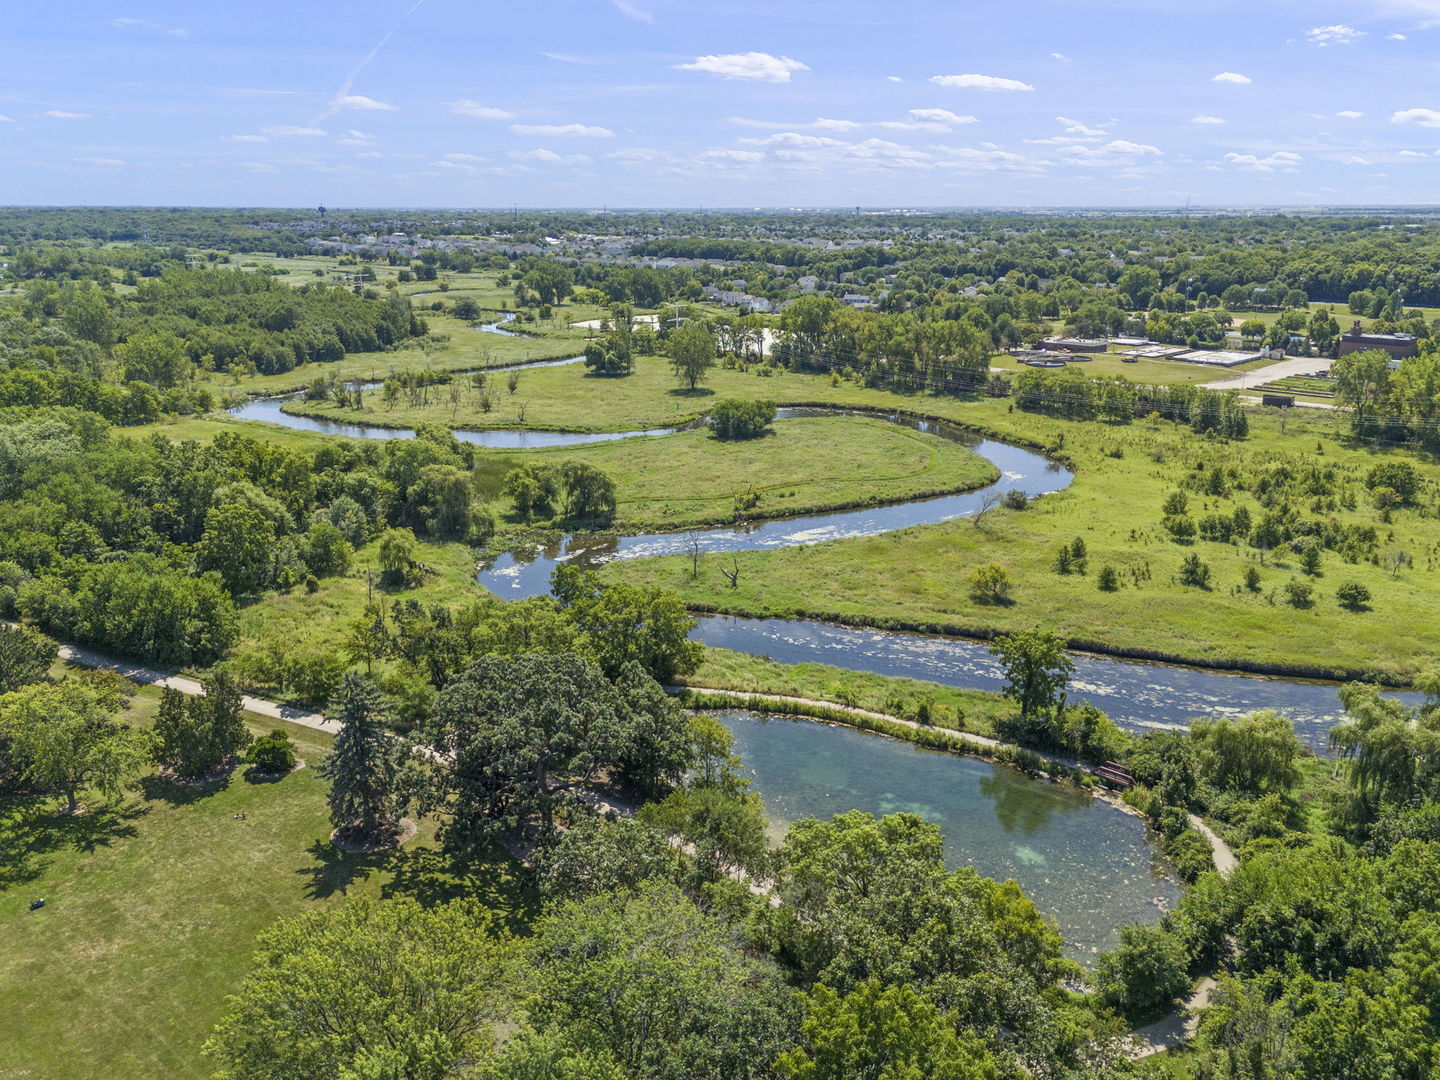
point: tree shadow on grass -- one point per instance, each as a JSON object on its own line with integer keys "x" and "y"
{"x": 335, "y": 870}
{"x": 691, "y": 392}
{"x": 492, "y": 878}
{"x": 36, "y": 828}
{"x": 176, "y": 792}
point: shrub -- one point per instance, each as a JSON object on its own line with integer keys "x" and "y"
{"x": 1108, "y": 579}
{"x": 989, "y": 584}
{"x": 274, "y": 753}
{"x": 1353, "y": 596}
{"x": 1194, "y": 572}
{"x": 1298, "y": 594}
{"x": 1015, "y": 499}
{"x": 735, "y": 418}
{"x": 1148, "y": 970}
{"x": 1252, "y": 579}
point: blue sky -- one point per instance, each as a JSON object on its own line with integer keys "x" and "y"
{"x": 583, "y": 103}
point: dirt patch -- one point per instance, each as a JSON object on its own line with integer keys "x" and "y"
{"x": 370, "y": 845}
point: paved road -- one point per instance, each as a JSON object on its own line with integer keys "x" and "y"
{"x": 1248, "y": 380}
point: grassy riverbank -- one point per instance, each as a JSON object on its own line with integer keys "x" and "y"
{"x": 804, "y": 466}
{"x": 973, "y": 711}
{"x": 916, "y": 578}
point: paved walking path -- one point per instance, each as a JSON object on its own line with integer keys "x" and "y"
{"x": 150, "y": 677}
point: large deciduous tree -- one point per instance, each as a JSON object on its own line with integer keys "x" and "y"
{"x": 387, "y": 990}
{"x": 65, "y": 736}
{"x": 1036, "y": 669}
{"x": 692, "y": 354}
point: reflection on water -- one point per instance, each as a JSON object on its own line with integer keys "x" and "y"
{"x": 1084, "y": 863}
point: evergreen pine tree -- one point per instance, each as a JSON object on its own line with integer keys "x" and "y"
{"x": 220, "y": 718}
{"x": 175, "y": 733}
{"x": 363, "y": 765}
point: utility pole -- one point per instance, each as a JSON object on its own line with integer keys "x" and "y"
{"x": 676, "y": 321}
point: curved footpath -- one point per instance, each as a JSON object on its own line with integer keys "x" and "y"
{"x": 1174, "y": 1030}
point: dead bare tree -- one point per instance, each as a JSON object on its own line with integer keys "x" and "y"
{"x": 732, "y": 575}
{"x": 989, "y": 501}
{"x": 694, "y": 557}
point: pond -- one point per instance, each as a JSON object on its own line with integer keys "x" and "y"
{"x": 1085, "y": 863}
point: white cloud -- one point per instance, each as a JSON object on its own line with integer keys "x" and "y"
{"x": 569, "y": 131}
{"x": 893, "y": 78}
{"x": 566, "y": 58}
{"x": 630, "y": 11}
{"x": 979, "y": 82}
{"x": 1395, "y": 37}
{"x": 244, "y": 138}
{"x": 59, "y": 114}
{"x": 107, "y": 162}
{"x": 464, "y": 157}
{"x": 1332, "y": 35}
{"x": 1207, "y": 120}
{"x": 6, "y": 119}
{"x": 549, "y": 157}
{"x": 360, "y": 101}
{"x": 1349, "y": 114}
{"x": 1125, "y": 146}
{"x": 757, "y": 66}
{"x": 145, "y": 24}
{"x": 1075, "y": 127}
{"x": 475, "y": 108}
{"x": 1282, "y": 160}
{"x": 941, "y": 116}
{"x": 1412, "y": 153}
{"x": 292, "y": 131}
{"x": 1423, "y": 117}
{"x": 1232, "y": 77}
{"x": 356, "y": 138}
{"x": 1060, "y": 56}
{"x": 260, "y": 167}
{"x": 1355, "y": 159}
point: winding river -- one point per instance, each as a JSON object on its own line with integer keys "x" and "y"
{"x": 1084, "y": 863}
{"x": 1136, "y": 694}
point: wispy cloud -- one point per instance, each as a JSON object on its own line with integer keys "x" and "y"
{"x": 630, "y": 11}
{"x": 1281, "y": 161}
{"x": 464, "y": 107}
{"x": 61, "y": 114}
{"x": 568, "y": 58}
{"x": 1349, "y": 114}
{"x": 360, "y": 101}
{"x": 549, "y": 157}
{"x": 125, "y": 23}
{"x": 992, "y": 83}
{"x": 1233, "y": 77}
{"x": 259, "y": 166}
{"x": 754, "y": 66}
{"x": 293, "y": 131}
{"x": 1337, "y": 34}
{"x": 244, "y": 138}
{"x": 343, "y": 94}
{"x": 571, "y": 131}
{"x": 1207, "y": 120}
{"x": 1060, "y": 56}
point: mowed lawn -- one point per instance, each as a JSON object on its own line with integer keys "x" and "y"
{"x": 153, "y": 904}
{"x": 805, "y": 464}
